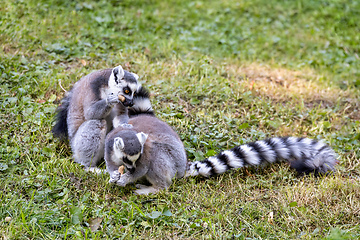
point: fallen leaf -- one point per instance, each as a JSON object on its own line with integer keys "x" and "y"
{"x": 147, "y": 51}
{"x": 127, "y": 65}
{"x": 249, "y": 174}
{"x": 138, "y": 13}
{"x": 95, "y": 223}
{"x": 252, "y": 85}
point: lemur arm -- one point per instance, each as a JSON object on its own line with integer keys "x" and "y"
{"x": 128, "y": 177}
{"x": 122, "y": 116}
{"x": 113, "y": 169}
{"x": 102, "y": 108}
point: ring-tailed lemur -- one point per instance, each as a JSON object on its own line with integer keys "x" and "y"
{"x": 91, "y": 109}
{"x": 151, "y": 149}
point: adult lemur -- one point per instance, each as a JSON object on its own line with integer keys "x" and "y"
{"x": 91, "y": 109}
{"x": 150, "y": 149}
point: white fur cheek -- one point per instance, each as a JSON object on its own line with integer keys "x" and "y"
{"x": 117, "y": 156}
{"x": 134, "y": 158}
{"x": 117, "y": 160}
{"x": 111, "y": 86}
{"x": 114, "y": 90}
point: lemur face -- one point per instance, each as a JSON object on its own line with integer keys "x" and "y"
{"x": 129, "y": 148}
{"x": 124, "y": 83}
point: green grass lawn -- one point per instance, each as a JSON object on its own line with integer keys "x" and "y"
{"x": 221, "y": 73}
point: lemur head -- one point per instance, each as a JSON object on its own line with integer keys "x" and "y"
{"x": 124, "y": 83}
{"x": 129, "y": 146}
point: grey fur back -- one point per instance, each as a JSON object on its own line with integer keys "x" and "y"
{"x": 163, "y": 146}
{"x": 84, "y": 93}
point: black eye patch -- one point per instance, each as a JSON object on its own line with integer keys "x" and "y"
{"x": 127, "y": 90}
{"x": 127, "y": 161}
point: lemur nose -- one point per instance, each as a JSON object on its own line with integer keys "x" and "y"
{"x": 128, "y": 102}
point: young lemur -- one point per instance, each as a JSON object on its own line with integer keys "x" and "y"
{"x": 151, "y": 149}
{"x": 91, "y": 109}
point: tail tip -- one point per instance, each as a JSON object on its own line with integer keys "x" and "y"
{"x": 309, "y": 167}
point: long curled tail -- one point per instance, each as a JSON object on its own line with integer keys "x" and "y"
{"x": 303, "y": 154}
{"x": 142, "y": 104}
{"x": 60, "y": 129}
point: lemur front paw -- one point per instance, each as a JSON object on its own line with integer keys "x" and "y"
{"x": 112, "y": 99}
{"x": 115, "y": 176}
{"x": 126, "y": 125}
{"x": 121, "y": 182}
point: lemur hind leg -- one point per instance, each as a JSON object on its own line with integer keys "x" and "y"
{"x": 159, "y": 177}
{"x": 88, "y": 142}
{"x": 157, "y": 184}
{"x": 162, "y": 170}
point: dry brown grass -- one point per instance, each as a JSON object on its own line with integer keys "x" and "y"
{"x": 282, "y": 85}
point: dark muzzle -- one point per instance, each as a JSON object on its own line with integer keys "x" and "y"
{"x": 128, "y": 102}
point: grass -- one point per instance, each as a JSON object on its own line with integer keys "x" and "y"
{"x": 222, "y": 73}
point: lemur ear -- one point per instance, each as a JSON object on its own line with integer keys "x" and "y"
{"x": 142, "y": 137}
{"x": 119, "y": 143}
{"x": 138, "y": 87}
{"x": 118, "y": 73}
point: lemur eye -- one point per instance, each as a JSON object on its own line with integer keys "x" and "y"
{"x": 126, "y": 91}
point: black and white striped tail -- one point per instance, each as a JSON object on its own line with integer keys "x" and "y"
{"x": 142, "y": 104}
{"x": 303, "y": 154}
